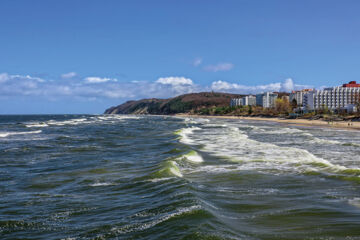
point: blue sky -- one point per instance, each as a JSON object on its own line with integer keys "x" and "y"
{"x": 82, "y": 56}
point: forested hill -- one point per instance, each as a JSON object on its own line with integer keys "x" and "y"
{"x": 181, "y": 104}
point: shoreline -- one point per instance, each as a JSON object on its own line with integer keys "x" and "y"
{"x": 298, "y": 122}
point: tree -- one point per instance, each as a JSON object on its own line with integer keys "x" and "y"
{"x": 282, "y": 106}
{"x": 250, "y": 111}
{"x": 294, "y": 103}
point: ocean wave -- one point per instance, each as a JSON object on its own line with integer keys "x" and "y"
{"x": 354, "y": 202}
{"x": 116, "y": 117}
{"x": 234, "y": 145}
{"x": 160, "y": 218}
{"x": 6, "y": 134}
{"x": 285, "y": 130}
{"x": 184, "y": 134}
{"x": 168, "y": 168}
{"x": 37, "y": 125}
{"x": 75, "y": 121}
{"x": 324, "y": 141}
{"x": 101, "y": 184}
{"x": 193, "y": 157}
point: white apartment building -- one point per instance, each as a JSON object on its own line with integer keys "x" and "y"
{"x": 244, "y": 101}
{"x": 235, "y": 102}
{"x": 266, "y": 100}
{"x": 249, "y": 100}
{"x": 298, "y": 96}
{"x": 341, "y": 97}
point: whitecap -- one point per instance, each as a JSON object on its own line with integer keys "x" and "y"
{"x": 6, "y": 134}
{"x": 185, "y": 134}
{"x": 355, "y": 202}
{"x": 192, "y": 156}
{"x": 30, "y": 125}
{"x": 99, "y": 184}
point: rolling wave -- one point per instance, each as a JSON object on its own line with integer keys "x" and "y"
{"x": 6, "y": 134}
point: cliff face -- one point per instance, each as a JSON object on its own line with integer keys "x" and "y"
{"x": 180, "y": 104}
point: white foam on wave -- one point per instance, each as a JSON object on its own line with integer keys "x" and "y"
{"x": 324, "y": 141}
{"x": 160, "y": 179}
{"x": 193, "y": 157}
{"x": 355, "y": 202}
{"x": 6, "y": 134}
{"x": 116, "y": 117}
{"x": 160, "y": 218}
{"x": 75, "y": 121}
{"x": 174, "y": 169}
{"x": 285, "y": 130}
{"x": 37, "y": 125}
{"x": 185, "y": 134}
{"x": 234, "y": 145}
{"x": 99, "y": 184}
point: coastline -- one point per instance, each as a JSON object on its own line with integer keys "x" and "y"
{"x": 298, "y": 122}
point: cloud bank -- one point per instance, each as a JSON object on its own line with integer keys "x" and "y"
{"x": 110, "y": 88}
{"x": 286, "y": 86}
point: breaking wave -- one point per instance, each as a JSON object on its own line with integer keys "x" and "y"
{"x": 6, "y": 134}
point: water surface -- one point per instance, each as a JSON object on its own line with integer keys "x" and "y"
{"x": 149, "y": 177}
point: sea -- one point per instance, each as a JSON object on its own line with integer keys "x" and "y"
{"x": 163, "y": 177}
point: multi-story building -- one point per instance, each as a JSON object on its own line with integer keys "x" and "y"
{"x": 249, "y": 100}
{"x": 335, "y": 98}
{"x": 244, "y": 101}
{"x": 298, "y": 96}
{"x": 266, "y": 100}
{"x": 235, "y": 102}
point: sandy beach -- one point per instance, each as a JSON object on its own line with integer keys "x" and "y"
{"x": 299, "y": 122}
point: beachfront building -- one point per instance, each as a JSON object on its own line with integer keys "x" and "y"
{"x": 298, "y": 96}
{"x": 235, "y": 102}
{"x": 266, "y": 100}
{"x": 343, "y": 97}
{"x": 249, "y": 100}
{"x": 244, "y": 101}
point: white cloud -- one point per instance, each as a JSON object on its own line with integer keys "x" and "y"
{"x": 197, "y": 62}
{"x": 99, "y": 80}
{"x": 287, "y": 85}
{"x": 37, "y": 79}
{"x": 69, "y": 75}
{"x": 175, "y": 81}
{"x": 175, "y": 85}
{"x": 4, "y": 77}
{"x": 164, "y": 87}
{"x": 224, "y": 86}
{"x": 219, "y": 67}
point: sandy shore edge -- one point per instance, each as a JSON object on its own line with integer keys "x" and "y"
{"x": 298, "y": 122}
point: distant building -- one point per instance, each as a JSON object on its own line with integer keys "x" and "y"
{"x": 285, "y": 98}
{"x": 235, "y": 102}
{"x": 298, "y": 96}
{"x": 249, "y": 100}
{"x": 342, "y": 97}
{"x": 266, "y": 100}
{"x": 244, "y": 101}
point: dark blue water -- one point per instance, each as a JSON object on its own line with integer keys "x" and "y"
{"x": 133, "y": 177}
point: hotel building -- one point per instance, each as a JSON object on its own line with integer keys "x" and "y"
{"x": 298, "y": 96}
{"x": 341, "y": 97}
